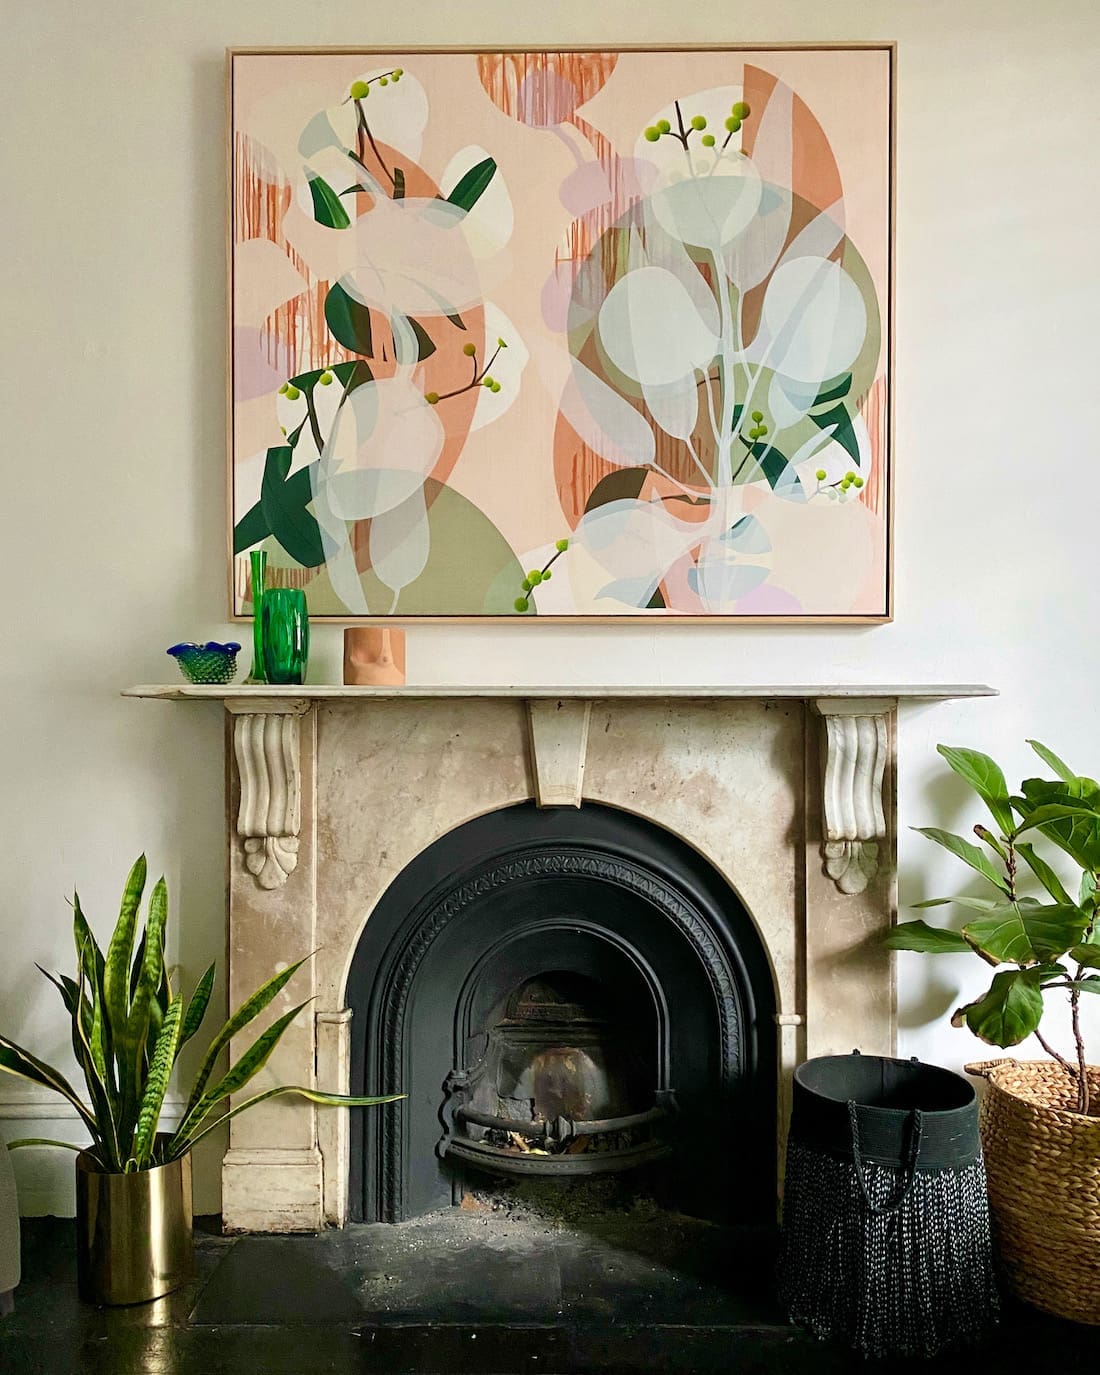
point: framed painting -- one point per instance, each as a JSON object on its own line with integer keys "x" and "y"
{"x": 563, "y": 335}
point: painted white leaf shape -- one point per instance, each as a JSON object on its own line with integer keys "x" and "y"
{"x": 400, "y": 542}
{"x": 813, "y": 321}
{"x": 489, "y": 222}
{"x": 608, "y": 424}
{"x": 674, "y": 407}
{"x": 651, "y": 330}
{"x": 411, "y": 256}
{"x": 710, "y": 212}
{"x": 384, "y": 443}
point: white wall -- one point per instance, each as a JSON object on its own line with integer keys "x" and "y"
{"x": 113, "y": 445}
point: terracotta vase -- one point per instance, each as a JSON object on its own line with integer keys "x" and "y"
{"x": 374, "y": 657}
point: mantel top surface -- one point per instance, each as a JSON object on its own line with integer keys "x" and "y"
{"x": 310, "y": 692}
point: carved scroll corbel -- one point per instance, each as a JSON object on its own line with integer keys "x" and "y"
{"x": 856, "y": 748}
{"x": 266, "y": 743}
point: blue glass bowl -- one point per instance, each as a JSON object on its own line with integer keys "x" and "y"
{"x": 208, "y": 663}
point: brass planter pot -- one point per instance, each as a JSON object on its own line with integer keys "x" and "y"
{"x": 133, "y": 1231}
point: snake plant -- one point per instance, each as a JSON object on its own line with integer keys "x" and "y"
{"x": 128, "y": 1027}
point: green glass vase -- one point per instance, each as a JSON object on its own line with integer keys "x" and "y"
{"x": 258, "y": 559}
{"x": 285, "y": 629}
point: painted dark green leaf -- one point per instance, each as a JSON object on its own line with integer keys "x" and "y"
{"x": 931, "y": 940}
{"x": 844, "y": 434}
{"x": 1008, "y": 1013}
{"x": 349, "y": 321}
{"x": 327, "y": 207}
{"x": 352, "y": 374}
{"x": 425, "y": 346}
{"x": 291, "y": 524}
{"x": 472, "y": 185}
{"x": 834, "y": 389}
{"x": 398, "y": 184}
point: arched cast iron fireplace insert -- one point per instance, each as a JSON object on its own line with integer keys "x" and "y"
{"x": 581, "y": 975}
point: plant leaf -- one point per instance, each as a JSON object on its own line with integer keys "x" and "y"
{"x": 918, "y": 935}
{"x": 1063, "y": 770}
{"x": 235, "y": 1078}
{"x": 156, "y": 1083}
{"x": 1025, "y": 931}
{"x": 248, "y": 1011}
{"x": 116, "y": 974}
{"x": 1089, "y": 985}
{"x": 962, "y": 849}
{"x": 963, "y": 900}
{"x": 1072, "y": 825}
{"x": 196, "y": 1008}
{"x": 15, "y": 1060}
{"x": 327, "y": 206}
{"x": 1008, "y": 1012}
{"x": 332, "y": 1100}
{"x": 472, "y": 184}
{"x": 987, "y": 780}
{"x": 1044, "y": 873}
{"x": 1086, "y": 955}
{"x": 42, "y": 1141}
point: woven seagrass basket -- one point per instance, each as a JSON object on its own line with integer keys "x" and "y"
{"x": 1042, "y": 1160}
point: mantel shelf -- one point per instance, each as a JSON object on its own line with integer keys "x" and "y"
{"x": 319, "y": 692}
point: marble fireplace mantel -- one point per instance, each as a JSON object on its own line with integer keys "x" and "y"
{"x": 788, "y": 790}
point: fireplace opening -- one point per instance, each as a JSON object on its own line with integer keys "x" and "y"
{"x": 563, "y": 994}
{"x": 565, "y": 1084}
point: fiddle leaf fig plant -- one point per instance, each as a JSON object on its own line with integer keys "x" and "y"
{"x": 128, "y": 1027}
{"x": 1039, "y": 945}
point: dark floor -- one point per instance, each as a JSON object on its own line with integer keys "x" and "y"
{"x": 477, "y": 1290}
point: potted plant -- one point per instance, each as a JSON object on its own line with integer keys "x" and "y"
{"x": 128, "y": 1027}
{"x": 1040, "y": 1119}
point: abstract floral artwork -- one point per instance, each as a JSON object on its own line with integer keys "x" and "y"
{"x": 563, "y": 334}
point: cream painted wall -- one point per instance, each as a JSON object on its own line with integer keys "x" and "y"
{"x": 112, "y": 367}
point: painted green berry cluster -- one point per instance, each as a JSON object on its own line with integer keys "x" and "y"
{"x": 842, "y": 484}
{"x": 359, "y": 90}
{"x": 539, "y": 575}
{"x": 697, "y": 124}
{"x": 480, "y": 378}
{"x": 759, "y": 429}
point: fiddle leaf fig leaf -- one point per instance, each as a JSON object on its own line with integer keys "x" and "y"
{"x": 1008, "y": 1012}
{"x": 1089, "y": 985}
{"x": 1025, "y": 932}
{"x": 932, "y": 940}
{"x": 969, "y": 854}
{"x": 987, "y": 780}
{"x": 1086, "y": 955}
{"x": 963, "y": 900}
{"x": 1063, "y": 770}
{"x": 1072, "y": 825}
{"x": 1044, "y": 873}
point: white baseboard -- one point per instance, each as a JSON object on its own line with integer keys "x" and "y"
{"x": 44, "y": 1174}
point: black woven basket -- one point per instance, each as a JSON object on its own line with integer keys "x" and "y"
{"x": 886, "y": 1238}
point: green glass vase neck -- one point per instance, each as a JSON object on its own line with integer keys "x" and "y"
{"x": 258, "y": 560}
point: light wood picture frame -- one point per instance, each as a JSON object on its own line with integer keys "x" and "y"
{"x": 571, "y": 335}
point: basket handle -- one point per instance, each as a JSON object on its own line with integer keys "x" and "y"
{"x": 982, "y": 1069}
{"x": 890, "y": 1205}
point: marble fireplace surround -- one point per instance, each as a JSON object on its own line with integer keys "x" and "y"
{"x": 788, "y": 791}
